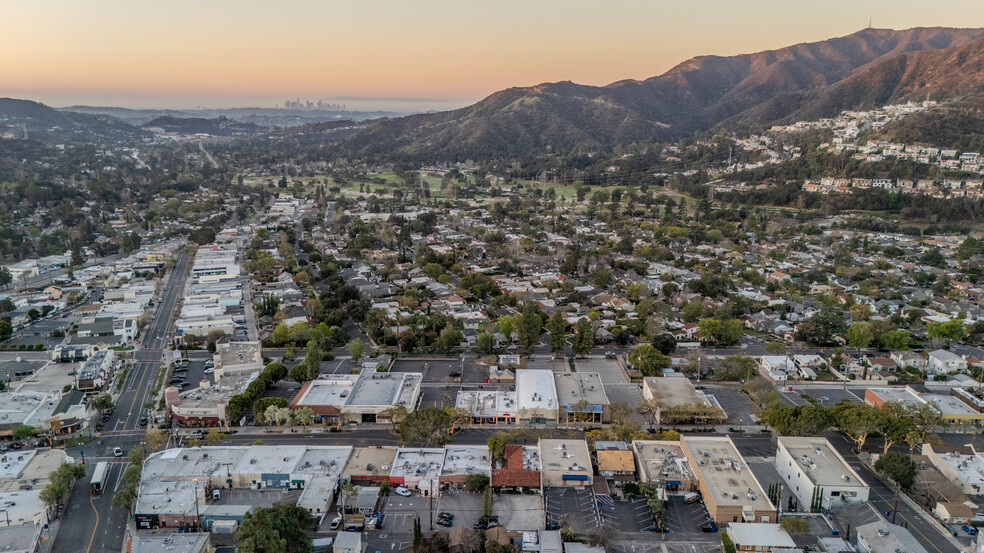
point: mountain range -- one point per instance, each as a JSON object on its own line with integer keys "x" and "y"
{"x": 704, "y": 94}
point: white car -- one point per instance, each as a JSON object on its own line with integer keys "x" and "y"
{"x": 117, "y": 452}
{"x": 335, "y": 522}
{"x": 403, "y": 491}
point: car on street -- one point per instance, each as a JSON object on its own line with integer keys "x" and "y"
{"x": 117, "y": 452}
{"x": 445, "y": 514}
{"x": 143, "y": 421}
{"x": 16, "y": 445}
{"x": 444, "y": 522}
{"x": 105, "y": 418}
{"x": 400, "y": 490}
{"x": 335, "y": 522}
{"x": 610, "y": 355}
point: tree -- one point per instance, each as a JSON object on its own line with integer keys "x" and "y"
{"x": 648, "y": 360}
{"x": 355, "y": 349}
{"x": 275, "y": 372}
{"x": 303, "y": 416}
{"x": 583, "y": 338}
{"x": 709, "y": 329}
{"x": 649, "y": 410}
{"x": 23, "y": 432}
{"x": 529, "y": 326}
{"x": 34, "y": 314}
{"x": 477, "y": 482}
{"x": 775, "y": 348}
{"x": 796, "y": 526}
{"x": 506, "y": 326}
{"x": 261, "y": 405}
{"x": 557, "y": 327}
{"x": 449, "y": 339}
{"x": 213, "y": 436}
{"x": 857, "y": 421}
{"x": 664, "y": 342}
{"x": 731, "y": 332}
{"x": 155, "y": 439}
{"x": 6, "y": 329}
{"x": 821, "y": 328}
{"x": 300, "y": 373}
{"x": 5, "y": 277}
{"x": 860, "y": 311}
{"x": 278, "y": 415}
{"x": 497, "y": 447}
{"x": 859, "y": 335}
{"x": 102, "y": 402}
{"x": 278, "y": 529}
{"x": 899, "y": 467}
{"x": 430, "y": 426}
{"x": 898, "y": 340}
{"x": 395, "y": 414}
{"x": 736, "y": 367}
{"x": 967, "y": 249}
{"x": 950, "y": 331}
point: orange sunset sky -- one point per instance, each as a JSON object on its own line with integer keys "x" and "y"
{"x": 182, "y": 53}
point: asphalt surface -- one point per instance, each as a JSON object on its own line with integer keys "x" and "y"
{"x": 90, "y": 522}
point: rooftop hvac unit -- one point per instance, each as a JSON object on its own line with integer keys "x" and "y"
{"x": 846, "y": 477}
{"x": 252, "y": 461}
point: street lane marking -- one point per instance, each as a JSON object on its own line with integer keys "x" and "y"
{"x": 94, "y": 528}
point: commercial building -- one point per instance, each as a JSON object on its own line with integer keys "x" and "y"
{"x": 197, "y": 542}
{"x": 175, "y": 483}
{"x": 488, "y": 406}
{"x": 364, "y": 395}
{"x": 880, "y": 536}
{"x": 520, "y": 470}
{"x": 811, "y": 464}
{"x": 582, "y": 397}
{"x": 672, "y": 390}
{"x": 759, "y": 537}
{"x": 536, "y": 397}
{"x": 665, "y": 464}
{"x": 952, "y": 408}
{"x": 730, "y": 491}
{"x": 460, "y": 461}
{"x": 961, "y": 465}
{"x": 369, "y": 465}
{"x": 565, "y": 463}
{"x": 615, "y": 461}
{"x": 237, "y": 358}
{"x": 96, "y": 370}
{"x": 418, "y": 468}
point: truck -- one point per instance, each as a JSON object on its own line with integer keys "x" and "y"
{"x": 692, "y": 497}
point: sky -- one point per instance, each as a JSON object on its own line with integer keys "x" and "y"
{"x": 219, "y": 53}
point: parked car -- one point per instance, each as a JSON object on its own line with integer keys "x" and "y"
{"x": 400, "y": 490}
{"x": 335, "y": 522}
{"x": 105, "y": 418}
{"x": 445, "y": 514}
{"x": 117, "y": 452}
{"x": 971, "y": 531}
{"x": 444, "y": 522}
{"x": 610, "y": 355}
{"x": 16, "y": 445}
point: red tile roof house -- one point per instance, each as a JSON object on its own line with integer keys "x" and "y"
{"x": 514, "y": 473}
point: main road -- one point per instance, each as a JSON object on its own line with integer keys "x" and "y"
{"x": 90, "y": 522}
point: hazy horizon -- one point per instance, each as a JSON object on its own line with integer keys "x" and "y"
{"x": 439, "y": 53}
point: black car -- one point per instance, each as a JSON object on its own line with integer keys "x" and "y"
{"x": 551, "y": 525}
{"x": 444, "y": 522}
{"x": 143, "y": 421}
{"x": 16, "y": 445}
{"x": 105, "y": 418}
{"x": 446, "y": 515}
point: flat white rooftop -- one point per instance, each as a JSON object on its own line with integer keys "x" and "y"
{"x": 565, "y": 455}
{"x": 725, "y": 473}
{"x": 466, "y": 459}
{"x": 820, "y": 462}
{"x": 418, "y": 462}
{"x": 535, "y": 389}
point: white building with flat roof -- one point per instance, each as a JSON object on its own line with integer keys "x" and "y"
{"x": 418, "y": 468}
{"x": 363, "y": 395}
{"x": 565, "y": 463}
{"x": 536, "y": 397}
{"x": 730, "y": 491}
{"x": 808, "y": 464}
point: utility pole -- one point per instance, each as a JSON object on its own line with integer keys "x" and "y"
{"x": 431, "y": 496}
{"x": 895, "y": 509}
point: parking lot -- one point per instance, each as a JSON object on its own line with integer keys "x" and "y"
{"x": 793, "y": 399}
{"x": 439, "y": 397}
{"x": 609, "y": 369}
{"x": 625, "y": 516}
{"x": 574, "y": 506}
{"x": 399, "y": 513}
{"x": 547, "y": 363}
{"x": 466, "y": 507}
{"x": 830, "y": 396}
{"x": 684, "y": 518}
{"x": 434, "y": 370}
{"x": 518, "y": 511}
{"x": 734, "y": 402}
{"x": 194, "y": 374}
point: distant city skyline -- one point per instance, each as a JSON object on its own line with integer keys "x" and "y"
{"x": 439, "y": 54}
